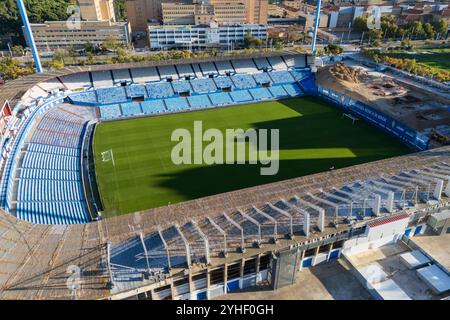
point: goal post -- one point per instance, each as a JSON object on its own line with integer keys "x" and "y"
{"x": 107, "y": 156}
{"x": 351, "y": 117}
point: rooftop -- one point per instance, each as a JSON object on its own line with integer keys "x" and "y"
{"x": 436, "y": 247}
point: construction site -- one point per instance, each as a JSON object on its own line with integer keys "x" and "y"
{"x": 403, "y": 100}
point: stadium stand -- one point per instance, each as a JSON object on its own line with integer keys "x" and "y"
{"x": 262, "y": 78}
{"x": 121, "y": 76}
{"x": 290, "y": 62}
{"x": 77, "y": 81}
{"x": 185, "y": 71}
{"x": 203, "y": 85}
{"x": 111, "y": 95}
{"x": 221, "y": 98}
{"x": 153, "y": 107}
{"x": 223, "y": 82}
{"x": 300, "y": 75}
{"x": 281, "y": 77}
{"x": 241, "y": 96}
{"x": 224, "y": 67}
{"x": 85, "y": 97}
{"x": 159, "y": 90}
{"x": 262, "y": 64}
{"x": 136, "y": 91}
{"x": 37, "y": 93}
{"x": 47, "y": 192}
{"x": 181, "y": 86}
{"x": 102, "y": 79}
{"x": 246, "y": 66}
{"x": 261, "y": 93}
{"x": 199, "y": 101}
{"x": 168, "y": 72}
{"x": 143, "y": 75}
{"x": 296, "y": 62}
{"x": 242, "y": 81}
{"x": 277, "y": 63}
{"x": 131, "y": 109}
{"x": 115, "y": 262}
{"x": 293, "y": 89}
{"x": 197, "y": 71}
{"x": 208, "y": 68}
{"x": 52, "y": 85}
{"x": 278, "y": 91}
{"x": 176, "y": 104}
{"x": 109, "y": 112}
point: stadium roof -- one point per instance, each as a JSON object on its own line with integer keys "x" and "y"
{"x": 38, "y": 256}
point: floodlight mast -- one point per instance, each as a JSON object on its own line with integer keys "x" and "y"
{"x": 316, "y": 26}
{"x": 29, "y": 35}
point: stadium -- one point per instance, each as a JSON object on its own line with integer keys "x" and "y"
{"x": 93, "y": 208}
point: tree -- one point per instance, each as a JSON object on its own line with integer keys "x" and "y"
{"x": 406, "y": 43}
{"x": 375, "y": 37}
{"x": 89, "y": 48}
{"x": 120, "y": 10}
{"x": 429, "y": 31}
{"x": 111, "y": 44}
{"x": 11, "y": 69}
{"x": 38, "y": 12}
{"x": 17, "y": 50}
{"x": 389, "y": 26}
{"x": 411, "y": 65}
{"x": 333, "y": 49}
{"x": 251, "y": 41}
{"x": 360, "y": 24}
{"x": 441, "y": 27}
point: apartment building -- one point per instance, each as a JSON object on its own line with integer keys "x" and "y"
{"x": 97, "y": 10}
{"x": 203, "y": 36}
{"x": 53, "y": 35}
{"x": 227, "y": 12}
{"x": 192, "y": 12}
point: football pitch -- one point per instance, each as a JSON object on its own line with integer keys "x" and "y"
{"x": 136, "y": 171}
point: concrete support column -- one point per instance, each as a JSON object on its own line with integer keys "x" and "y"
{"x": 225, "y": 276}
{"x": 321, "y": 221}
{"x": 306, "y": 224}
{"x": 390, "y": 201}
{"x": 437, "y": 194}
{"x": 377, "y": 205}
{"x": 241, "y": 273}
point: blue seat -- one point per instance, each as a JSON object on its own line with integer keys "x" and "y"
{"x": 281, "y": 77}
{"x": 293, "y": 89}
{"x": 262, "y": 78}
{"x": 160, "y": 90}
{"x": 241, "y": 96}
{"x": 260, "y": 93}
{"x": 177, "y": 104}
{"x": 111, "y": 95}
{"x": 223, "y": 82}
{"x": 153, "y": 106}
{"x": 200, "y": 101}
{"x": 203, "y": 85}
{"x": 220, "y": 98}
{"x": 136, "y": 91}
{"x": 278, "y": 91}
{"x": 243, "y": 81}
{"x": 181, "y": 86}
{"x": 110, "y": 111}
{"x": 131, "y": 109}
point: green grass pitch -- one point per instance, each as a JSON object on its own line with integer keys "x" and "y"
{"x": 313, "y": 138}
{"x": 435, "y": 58}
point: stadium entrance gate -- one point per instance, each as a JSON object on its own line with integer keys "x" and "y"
{"x": 285, "y": 267}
